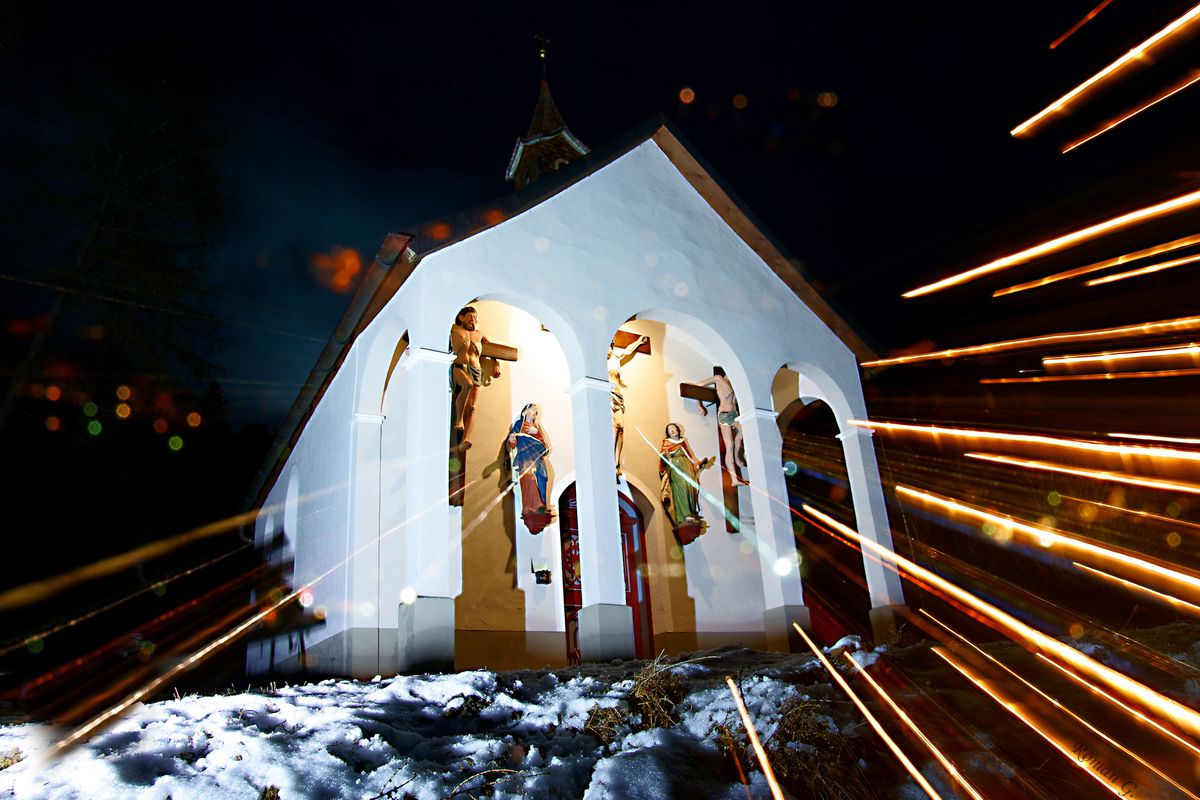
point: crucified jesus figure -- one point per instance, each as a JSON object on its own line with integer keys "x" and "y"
{"x": 727, "y": 414}
{"x": 618, "y": 358}
{"x": 466, "y": 371}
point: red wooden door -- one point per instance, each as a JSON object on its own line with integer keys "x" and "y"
{"x": 637, "y": 585}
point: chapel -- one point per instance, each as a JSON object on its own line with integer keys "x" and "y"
{"x": 552, "y": 428}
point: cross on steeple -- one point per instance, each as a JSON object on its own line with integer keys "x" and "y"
{"x": 549, "y": 144}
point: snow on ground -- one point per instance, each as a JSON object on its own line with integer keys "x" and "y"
{"x": 419, "y": 736}
{"x": 521, "y": 734}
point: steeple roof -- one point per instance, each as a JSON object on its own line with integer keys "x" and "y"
{"x": 548, "y": 145}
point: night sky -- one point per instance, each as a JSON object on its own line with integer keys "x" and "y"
{"x": 338, "y": 126}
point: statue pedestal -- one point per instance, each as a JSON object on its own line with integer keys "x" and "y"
{"x": 688, "y": 532}
{"x": 536, "y": 522}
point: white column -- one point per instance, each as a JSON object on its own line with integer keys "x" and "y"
{"x": 426, "y": 626}
{"x": 870, "y": 513}
{"x": 779, "y": 562}
{"x": 363, "y": 581}
{"x": 605, "y": 622}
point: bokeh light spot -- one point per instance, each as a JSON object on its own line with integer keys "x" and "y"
{"x": 306, "y": 597}
{"x": 35, "y": 645}
{"x": 94, "y": 427}
{"x": 1174, "y": 539}
{"x": 175, "y": 443}
{"x": 159, "y": 589}
{"x": 123, "y": 392}
{"x": 1053, "y": 498}
{"x": 687, "y": 95}
{"x": 827, "y": 99}
{"x": 1076, "y": 630}
{"x": 194, "y": 419}
{"x": 123, "y": 410}
{"x": 408, "y": 595}
{"x": 53, "y": 393}
{"x": 90, "y": 409}
{"x": 541, "y": 244}
{"x": 1174, "y": 510}
{"x": 783, "y": 566}
{"x": 681, "y": 289}
{"x": 740, "y": 101}
{"x": 790, "y": 469}
{"x": 793, "y": 94}
{"x": 53, "y": 423}
{"x": 160, "y": 425}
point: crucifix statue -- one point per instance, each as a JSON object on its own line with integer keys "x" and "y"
{"x": 719, "y": 391}
{"x": 621, "y": 351}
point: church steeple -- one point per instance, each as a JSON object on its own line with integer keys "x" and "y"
{"x": 549, "y": 144}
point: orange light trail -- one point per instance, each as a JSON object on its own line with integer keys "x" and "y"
{"x": 1145, "y": 329}
{"x": 5, "y": 650}
{"x": 1052, "y": 536}
{"x": 895, "y": 748}
{"x": 1097, "y": 474}
{"x": 912, "y": 726}
{"x": 1138, "y": 54}
{"x": 1034, "y": 640}
{"x": 1146, "y": 514}
{"x": 1015, "y": 710}
{"x": 1029, "y": 438}
{"x": 1096, "y": 690}
{"x": 1063, "y": 242}
{"x": 1195, "y": 76}
{"x": 1150, "y": 438}
{"x": 1146, "y": 270}
{"x": 1098, "y": 376}
{"x": 1086, "y": 19}
{"x": 1157, "y": 249}
{"x": 95, "y": 723}
{"x": 1190, "y": 349}
{"x": 47, "y": 587}
{"x": 1066, "y": 710}
{"x": 1175, "y": 602}
{"x": 758, "y": 748}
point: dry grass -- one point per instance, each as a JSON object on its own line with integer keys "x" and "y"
{"x": 606, "y": 723}
{"x": 657, "y": 692}
{"x": 812, "y": 757}
{"x": 10, "y": 757}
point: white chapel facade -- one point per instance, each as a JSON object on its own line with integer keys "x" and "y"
{"x": 415, "y": 552}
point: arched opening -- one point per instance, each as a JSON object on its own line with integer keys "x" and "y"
{"x": 835, "y": 586}
{"x": 504, "y": 617}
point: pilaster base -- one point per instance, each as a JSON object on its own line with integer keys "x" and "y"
{"x": 781, "y": 636}
{"x": 886, "y": 622}
{"x": 425, "y": 635}
{"x": 605, "y": 632}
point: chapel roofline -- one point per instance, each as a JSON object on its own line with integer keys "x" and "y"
{"x": 400, "y": 254}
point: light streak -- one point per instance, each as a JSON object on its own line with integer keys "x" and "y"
{"x": 1144, "y": 329}
{"x": 1066, "y": 710}
{"x": 1155, "y": 250}
{"x": 1098, "y": 376}
{"x": 62, "y": 626}
{"x": 1146, "y": 270}
{"x": 1178, "y": 604}
{"x": 1195, "y": 76}
{"x": 912, "y": 726}
{"x": 1138, "y": 54}
{"x": 1054, "y": 536}
{"x": 1034, "y": 640}
{"x": 1096, "y": 474}
{"x": 1096, "y": 690}
{"x": 1179, "y": 203}
{"x": 1015, "y": 710}
{"x": 95, "y": 723}
{"x": 1151, "y": 438}
{"x": 1038, "y": 439}
{"x": 1086, "y": 19}
{"x": 1124, "y": 510}
{"x": 758, "y": 748}
{"x": 895, "y": 748}
{"x": 1190, "y": 349}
